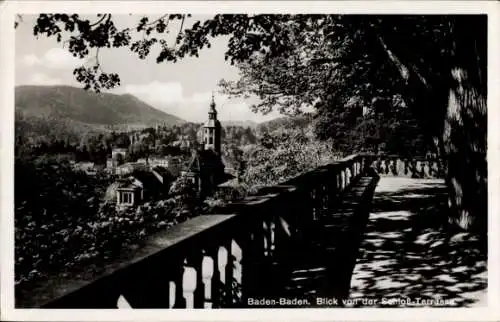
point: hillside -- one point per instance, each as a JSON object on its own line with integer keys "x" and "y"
{"x": 299, "y": 121}
{"x": 247, "y": 123}
{"x": 75, "y": 106}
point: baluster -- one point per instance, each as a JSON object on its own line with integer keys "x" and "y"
{"x": 122, "y": 303}
{"x": 333, "y": 195}
{"x": 422, "y": 172}
{"x": 426, "y": 169}
{"x": 265, "y": 237}
{"x": 171, "y": 295}
{"x": 229, "y": 273}
{"x": 312, "y": 196}
{"x": 326, "y": 198}
{"x": 259, "y": 240}
{"x": 413, "y": 168}
{"x": 394, "y": 168}
{"x": 222, "y": 255}
{"x": 318, "y": 200}
{"x": 441, "y": 169}
{"x": 207, "y": 268}
{"x": 215, "y": 284}
{"x": 269, "y": 237}
{"x": 282, "y": 234}
{"x": 189, "y": 284}
{"x": 435, "y": 169}
{"x": 321, "y": 199}
{"x": 178, "y": 277}
{"x": 195, "y": 285}
{"x": 237, "y": 272}
{"x": 401, "y": 169}
{"x": 248, "y": 263}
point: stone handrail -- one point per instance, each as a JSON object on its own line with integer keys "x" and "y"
{"x": 413, "y": 167}
{"x": 210, "y": 261}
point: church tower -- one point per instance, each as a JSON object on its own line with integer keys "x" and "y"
{"x": 212, "y": 130}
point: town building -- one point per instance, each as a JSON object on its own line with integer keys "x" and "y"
{"x": 90, "y": 168}
{"x": 119, "y": 153}
{"x": 183, "y": 143}
{"x": 130, "y": 167}
{"x": 140, "y": 186}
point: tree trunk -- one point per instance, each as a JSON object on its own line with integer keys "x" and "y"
{"x": 459, "y": 103}
{"x": 464, "y": 145}
{"x": 464, "y": 136}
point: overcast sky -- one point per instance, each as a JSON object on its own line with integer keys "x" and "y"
{"x": 183, "y": 89}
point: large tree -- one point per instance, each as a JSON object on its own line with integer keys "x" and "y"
{"x": 436, "y": 64}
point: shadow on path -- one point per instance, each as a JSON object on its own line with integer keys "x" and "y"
{"x": 410, "y": 251}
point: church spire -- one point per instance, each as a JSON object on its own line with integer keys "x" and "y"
{"x": 212, "y": 129}
{"x": 212, "y": 105}
{"x": 212, "y": 113}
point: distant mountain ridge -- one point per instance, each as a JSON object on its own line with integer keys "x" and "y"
{"x": 90, "y": 108}
{"x": 247, "y": 123}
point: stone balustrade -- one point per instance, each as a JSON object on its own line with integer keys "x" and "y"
{"x": 415, "y": 167}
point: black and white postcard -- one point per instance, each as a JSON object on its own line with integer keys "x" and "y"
{"x": 235, "y": 160}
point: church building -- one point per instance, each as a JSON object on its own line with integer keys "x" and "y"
{"x": 206, "y": 169}
{"x": 212, "y": 130}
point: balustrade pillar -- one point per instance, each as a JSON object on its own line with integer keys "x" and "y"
{"x": 196, "y": 286}
{"x": 178, "y": 277}
{"x": 207, "y": 267}
{"x": 215, "y": 284}
{"x": 248, "y": 263}
{"x": 229, "y": 270}
{"x": 189, "y": 284}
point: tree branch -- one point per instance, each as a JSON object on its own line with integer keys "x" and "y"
{"x": 404, "y": 71}
{"x": 182, "y": 25}
{"x": 100, "y": 20}
{"x": 155, "y": 21}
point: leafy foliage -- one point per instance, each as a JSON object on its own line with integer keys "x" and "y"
{"x": 55, "y": 206}
{"x": 283, "y": 154}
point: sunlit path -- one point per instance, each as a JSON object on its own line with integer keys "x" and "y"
{"x": 407, "y": 253}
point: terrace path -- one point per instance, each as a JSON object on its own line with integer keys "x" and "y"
{"x": 406, "y": 252}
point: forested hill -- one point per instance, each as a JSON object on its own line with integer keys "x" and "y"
{"x": 76, "y": 105}
{"x": 247, "y": 123}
